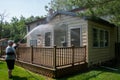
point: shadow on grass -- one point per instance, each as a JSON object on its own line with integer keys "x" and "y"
{"x": 88, "y": 74}
{"x": 76, "y": 77}
{"x": 19, "y": 78}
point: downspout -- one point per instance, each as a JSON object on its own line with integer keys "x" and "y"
{"x": 117, "y": 35}
{"x": 117, "y": 46}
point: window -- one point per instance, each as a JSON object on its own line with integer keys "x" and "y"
{"x": 33, "y": 43}
{"x": 28, "y": 28}
{"x": 95, "y": 38}
{"x": 47, "y": 38}
{"x": 100, "y": 38}
{"x": 37, "y": 24}
{"x": 106, "y": 38}
{"x": 75, "y": 37}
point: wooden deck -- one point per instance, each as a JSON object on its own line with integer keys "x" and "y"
{"x": 52, "y": 62}
{"x": 52, "y": 72}
{"x": 52, "y": 57}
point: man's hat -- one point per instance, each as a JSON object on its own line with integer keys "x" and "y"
{"x": 10, "y": 41}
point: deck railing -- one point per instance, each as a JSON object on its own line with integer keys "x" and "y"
{"x": 52, "y": 57}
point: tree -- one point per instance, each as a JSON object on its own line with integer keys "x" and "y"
{"x": 59, "y": 5}
{"x": 17, "y": 28}
{"x": 109, "y": 8}
{"x": 6, "y": 30}
{"x": 2, "y": 17}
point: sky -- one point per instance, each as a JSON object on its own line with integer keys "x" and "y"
{"x": 16, "y": 8}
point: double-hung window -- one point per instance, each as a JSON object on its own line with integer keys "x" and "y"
{"x": 47, "y": 38}
{"x": 95, "y": 38}
{"x": 33, "y": 43}
{"x": 106, "y": 38}
{"x": 100, "y": 38}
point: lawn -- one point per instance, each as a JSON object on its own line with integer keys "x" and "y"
{"x": 94, "y": 74}
{"x": 19, "y": 74}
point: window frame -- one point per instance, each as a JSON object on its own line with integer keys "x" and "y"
{"x": 99, "y": 38}
{"x": 33, "y": 42}
{"x": 48, "y": 35}
{"x": 69, "y": 29}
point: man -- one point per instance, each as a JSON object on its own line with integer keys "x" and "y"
{"x": 10, "y": 57}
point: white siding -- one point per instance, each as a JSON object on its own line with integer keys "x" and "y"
{"x": 72, "y": 22}
{"x": 98, "y": 55}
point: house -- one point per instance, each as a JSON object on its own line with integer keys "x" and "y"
{"x": 3, "y": 45}
{"x": 3, "y": 42}
{"x": 65, "y": 29}
{"x": 31, "y": 26}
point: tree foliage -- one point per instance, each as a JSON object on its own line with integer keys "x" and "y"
{"x": 2, "y": 17}
{"x": 107, "y": 8}
{"x": 16, "y": 29}
{"x": 59, "y": 5}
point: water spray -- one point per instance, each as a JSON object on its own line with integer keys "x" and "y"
{"x": 41, "y": 29}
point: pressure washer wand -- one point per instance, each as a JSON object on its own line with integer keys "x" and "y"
{"x": 20, "y": 41}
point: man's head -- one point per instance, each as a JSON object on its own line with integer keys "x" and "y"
{"x": 10, "y": 42}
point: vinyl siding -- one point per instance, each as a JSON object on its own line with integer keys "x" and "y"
{"x": 98, "y": 55}
{"x": 72, "y": 22}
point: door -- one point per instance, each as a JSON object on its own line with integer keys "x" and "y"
{"x": 75, "y": 37}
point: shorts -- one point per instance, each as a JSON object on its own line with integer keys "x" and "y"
{"x": 10, "y": 64}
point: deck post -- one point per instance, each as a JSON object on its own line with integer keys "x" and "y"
{"x": 31, "y": 54}
{"x": 54, "y": 57}
{"x": 17, "y": 53}
{"x": 73, "y": 55}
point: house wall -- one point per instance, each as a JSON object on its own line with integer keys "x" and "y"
{"x": 98, "y": 55}
{"x": 31, "y": 26}
{"x": 71, "y": 22}
{"x": 60, "y": 36}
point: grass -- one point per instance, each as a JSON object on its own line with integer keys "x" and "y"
{"x": 94, "y": 74}
{"x": 18, "y": 73}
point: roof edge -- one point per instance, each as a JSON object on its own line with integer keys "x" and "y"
{"x": 99, "y": 20}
